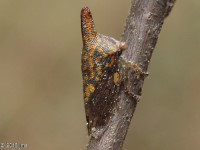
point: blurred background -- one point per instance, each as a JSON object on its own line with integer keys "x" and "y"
{"x": 41, "y": 102}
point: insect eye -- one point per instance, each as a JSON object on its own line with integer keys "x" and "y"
{"x": 123, "y": 46}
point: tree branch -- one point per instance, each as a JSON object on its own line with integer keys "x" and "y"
{"x": 141, "y": 32}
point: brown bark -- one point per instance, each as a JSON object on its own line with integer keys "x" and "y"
{"x": 141, "y": 32}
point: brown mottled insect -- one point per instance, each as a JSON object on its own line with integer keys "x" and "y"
{"x": 101, "y": 78}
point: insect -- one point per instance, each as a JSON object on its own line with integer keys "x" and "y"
{"x": 100, "y": 72}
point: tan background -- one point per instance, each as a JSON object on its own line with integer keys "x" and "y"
{"x": 41, "y": 86}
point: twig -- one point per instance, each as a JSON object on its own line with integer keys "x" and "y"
{"x": 141, "y": 32}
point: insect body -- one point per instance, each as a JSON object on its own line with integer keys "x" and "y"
{"x": 101, "y": 78}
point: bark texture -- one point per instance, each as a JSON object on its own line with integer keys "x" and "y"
{"x": 141, "y": 32}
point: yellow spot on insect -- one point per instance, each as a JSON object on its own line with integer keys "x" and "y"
{"x": 99, "y": 73}
{"x": 116, "y": 78}
{"x": 98, "y": 59}
{"x": 89, "y": 26}
{"x": 91, "y": 88}
{"x": 105, "y": 54}
{"x": 91, "y": 52}
{"x": 85, "y": 99}
{"x": 84, "y": 68}
{"x": 112, "y": 60}
{"x": 110, "y": 53}
{"x": 92, "y": 37}
{"x": 85, "y": 78}
{"x": 86, "y": 93}
{"x": 99, "y": 70}
{"x": 86, "y": 38}
{"x": 100, "y": 50}
{"x": 88, "y": 90}
{"x": 93, "y": 46}
{"x": 91, "y": 75}
{"x": 85, "y": 58}
{"x": 91, "y": 68}
{"x": 97, "y": 79}
{"x": 91, "y": 65}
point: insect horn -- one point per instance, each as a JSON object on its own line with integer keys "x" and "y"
{"x": 87, "y": 25}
